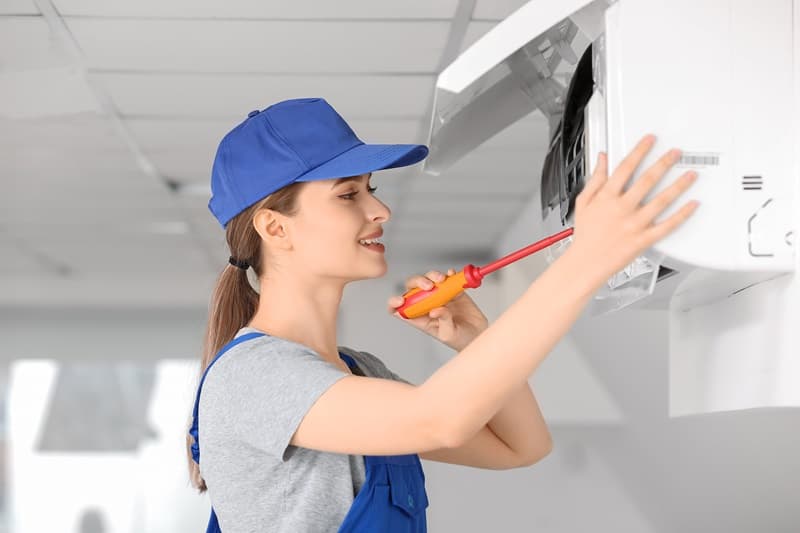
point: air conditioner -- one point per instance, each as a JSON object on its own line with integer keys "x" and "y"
{"x": 715, "y": 78}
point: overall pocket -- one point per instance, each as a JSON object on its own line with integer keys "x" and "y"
{"x": 407, "y": 487}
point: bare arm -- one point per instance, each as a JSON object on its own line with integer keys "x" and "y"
{"x": 461, "y": 396}
{"x": 379, "y": 417}
{"x": 516, "y": 436}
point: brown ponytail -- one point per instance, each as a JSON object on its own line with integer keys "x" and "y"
{"x": 234, "y": 301}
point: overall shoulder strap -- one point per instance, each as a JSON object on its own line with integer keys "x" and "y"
{"x": 193, "y": 430}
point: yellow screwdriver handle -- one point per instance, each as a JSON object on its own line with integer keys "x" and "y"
{"x": 419, "y": 302}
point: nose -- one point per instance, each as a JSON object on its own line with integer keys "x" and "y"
{"x": 378, "y": 211}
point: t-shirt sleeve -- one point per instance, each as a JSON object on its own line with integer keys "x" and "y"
{"x": 378, "y": 369}
{"x": 269, "y": 386}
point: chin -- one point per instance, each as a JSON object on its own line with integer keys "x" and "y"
{"x": 375, "y": 272}
{"x": 380, "y": 271}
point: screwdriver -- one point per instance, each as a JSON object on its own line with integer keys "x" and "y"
{"x": 418, "y": 302}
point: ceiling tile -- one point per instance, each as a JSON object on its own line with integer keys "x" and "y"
{"x": 475, "y": 30}
{"x": 521, "y": 183}
{"x": 30, "y": 94}
{"x": 183, "y": 165}
{"x": 260, "y": 46}
{"x": 174, "y": 135}
{"x": 108, "y": 290}
{"x": 82, "y": 223}
{"x": 87, "y": 133}
{"x": 474, "y": 235}
{"x": 234, "y": 95}
{"x": 452, "y": 204}
{"x": 17, "y": 261}
{"x": 18, "y": 7}
{"x": 279, "y": 9}
{"x": 496, "y": 9}
{"x": 451, "y": 223}
{"x": 156, "y": 256}
{"x": 26, "y": 43}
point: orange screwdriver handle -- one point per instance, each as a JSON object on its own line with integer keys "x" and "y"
{"x": 420, "y": 302}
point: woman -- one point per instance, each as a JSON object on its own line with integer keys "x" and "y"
{"x": 286, "y": 415}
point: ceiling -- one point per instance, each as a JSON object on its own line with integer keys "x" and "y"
{"x": 110, "y": 115}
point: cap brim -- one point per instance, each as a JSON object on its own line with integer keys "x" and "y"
{"x": 367, "y": 158}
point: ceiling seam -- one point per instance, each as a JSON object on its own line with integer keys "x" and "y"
{"x": 61, "y": 31}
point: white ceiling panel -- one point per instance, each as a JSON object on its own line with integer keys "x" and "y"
{"x": 107, "y": 290}
{"x": 508, "y": 185}
{"x": 451, "y": 221}
{"x": 38, "y": 194}
{"x": 87, "y": 133}
{"x": 277, "y": 9}
{"x": 447, "y": 205}
{"x": 477, "y": 235}
{"x": 512, "y": 175}
{"x": 475, "y": 31}
{"x": 158, "y": 257}
{"x": 82, "y": 150}
{"x": 234, "y": 95}
{"x": 175, "y": 135}
{"x": 29, "y": 93}
{"x": 45, "y": 166}
{"x": 26, "y": 43}
{"x": 183, "y": 165}
{"x": 17, "y": 262}
{"x": 260, "y": 46}
{"x": 18, "y": 7}
{"x": 496, "y": 9}
{"x": 85, "y": 222}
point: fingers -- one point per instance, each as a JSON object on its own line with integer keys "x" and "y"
{"x": 629, "y": 165}
{"x": 643, "y": 185}
{"x": 662, "y": 229}
{"x": 650, "y": 211}
{"x": 394, "y": 302}
{"x": 426, "y": 282}
{"x": 596, "y": 182}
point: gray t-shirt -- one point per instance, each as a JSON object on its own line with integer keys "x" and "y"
{"x": 253, "y": 399}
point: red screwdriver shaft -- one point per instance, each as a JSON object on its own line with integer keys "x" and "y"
{"x": 524, "y": 252}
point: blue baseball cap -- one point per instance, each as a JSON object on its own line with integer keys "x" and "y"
{"x": 298, "y": 140}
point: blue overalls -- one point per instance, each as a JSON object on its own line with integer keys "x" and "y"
{"x": 393, "y": 497}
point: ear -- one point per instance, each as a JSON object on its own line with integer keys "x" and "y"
{"x": 270, "y": 226}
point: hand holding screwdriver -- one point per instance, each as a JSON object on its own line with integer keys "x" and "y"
{"x": 418, "y": 302}
{"x": 455, "y": 323}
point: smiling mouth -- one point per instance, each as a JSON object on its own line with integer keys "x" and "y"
{"x": 372, "y": 244}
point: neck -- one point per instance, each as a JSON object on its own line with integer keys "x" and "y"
{"x": 302, "y": 312}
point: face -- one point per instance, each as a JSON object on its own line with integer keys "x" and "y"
{"x": 333, "y": 216}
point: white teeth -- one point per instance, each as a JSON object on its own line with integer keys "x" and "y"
{"x": 369, "y": 241}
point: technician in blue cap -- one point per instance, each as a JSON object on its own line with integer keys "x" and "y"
{"x": 299, "y": 434}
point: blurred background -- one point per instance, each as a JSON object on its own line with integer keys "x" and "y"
{"x": 110, "y": 114}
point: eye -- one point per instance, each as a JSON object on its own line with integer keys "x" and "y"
{"x": 349, "y": 196}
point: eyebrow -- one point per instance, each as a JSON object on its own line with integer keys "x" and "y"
{"x": 350, "y": 178}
